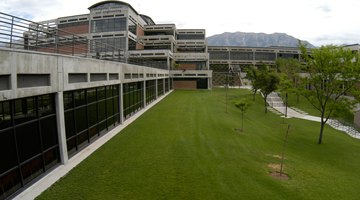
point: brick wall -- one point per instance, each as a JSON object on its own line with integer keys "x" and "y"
{"x": 184, "y": 84}
{"x": 139, "y": 32}
{"x": 76, "y": 29}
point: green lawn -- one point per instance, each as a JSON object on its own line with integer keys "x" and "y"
{"x": 186, "y": 148}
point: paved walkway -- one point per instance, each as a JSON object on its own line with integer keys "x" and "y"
{"x": 276, "y": 103}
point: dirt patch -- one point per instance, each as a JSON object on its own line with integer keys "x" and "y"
{"x": 278, "y": 175}
{"x": 275, "y": 171}
{"x": 274, "y": 167}
{"x": 238, "y": 130}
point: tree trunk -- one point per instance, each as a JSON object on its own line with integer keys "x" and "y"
{"x": 322, "y": 125}
{"x": 254, "y": 94}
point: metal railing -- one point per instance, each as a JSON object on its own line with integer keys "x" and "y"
{"x": 19, "y": 33}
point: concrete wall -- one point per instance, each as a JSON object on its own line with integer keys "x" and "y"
{"x": 58, "y": 68}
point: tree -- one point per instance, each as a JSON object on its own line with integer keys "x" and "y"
{"x": 331, "y": 73}
{"x": 242, "y": 106}
{"x": 268, "y": 83}
{"x": 253, "y": 74}
{"x": 288, "y": 70}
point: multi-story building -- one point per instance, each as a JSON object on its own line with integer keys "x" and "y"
{"x": 228, "y": 62}
{"x": 52, "y": 105}
{"x": 140, "y": 41}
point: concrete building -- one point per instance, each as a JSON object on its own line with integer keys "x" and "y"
{"x": 66, "y": 82}
{"x": 139, "y": 40}
{"x": 228, "y": 62}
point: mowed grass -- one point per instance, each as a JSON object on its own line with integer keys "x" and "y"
{"x": 186, "y": 148}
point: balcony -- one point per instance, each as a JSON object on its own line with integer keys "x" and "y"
{"x": 191, "y": 73}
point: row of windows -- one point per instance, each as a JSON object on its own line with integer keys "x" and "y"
{"x": 234, "y": 55}
{"x": 108, "y": 25}
{"x": 199, "y": 65}
{"x": 28, "y": 130}
{"x": 28, "y": 141}
{"x": 160, "y": 84}
{"x": 191, "y": 37}
{"x": 133, "y": 97}
{"x": 90, "y": 113}
{"x": 132, "y": 27}
{"x": 150, "y": 91}
{"x": 167, "y": 88}
{"x": 108, "y": 44}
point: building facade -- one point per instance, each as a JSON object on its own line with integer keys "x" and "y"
{"x": 141, "y": 41}
{"x": 228, "y": 62}
{"x": 54, "y": 103}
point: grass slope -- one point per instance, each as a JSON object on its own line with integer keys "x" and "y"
{"x": 186, "y": 148}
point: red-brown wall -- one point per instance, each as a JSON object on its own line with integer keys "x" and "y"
{"x": 190, "y": 85}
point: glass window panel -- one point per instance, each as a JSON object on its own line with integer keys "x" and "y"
{"x": 101, "y": 93}
{"x": 5, "y": 115}
{"x": 91, "y": 95}
{"x": 92, "y": 114}
{"x": 28, "y": 141}
{"x": 116, "y": 105}
{"x": 80, "y": 119}
{"x": 79, "y": 97}
{"x": 102, "y": 110}
{"x": 102, "y": 127}
{"x": 7, "y": 151}
{"x": 10, "y": 183}
{"x": 110, "y": 107}
{"x": 93, "y": 131}
{"x": 46, "y": 105}
{"x": 68, "y": 100}
{"x": 71, "y": 145}
{"x": 32, "y": 169}
{"x": 82, "y": 139}
{"x": 49, "y": 132}
{"x": 51, "y": 157}
{"x": 115, "y": 90}
{"x": 69, "y": 123}
{"x": 25, "y": 110}
{"x": 109, "y": 91}
{"x": 110, "y": 122}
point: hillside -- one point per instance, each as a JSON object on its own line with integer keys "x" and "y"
{"x": 254, "y": 40}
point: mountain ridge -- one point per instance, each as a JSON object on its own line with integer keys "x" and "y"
{"x": 252, "y": 39}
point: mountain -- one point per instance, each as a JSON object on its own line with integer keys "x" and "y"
{"x": 254, "y": 40}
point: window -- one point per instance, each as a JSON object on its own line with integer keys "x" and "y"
{"x": 108, "y": 25}
{"x": 150, "y": 91}
{"x": 28, "y": 141}
{"x": 133, "y": 98}
{"x": 96, "y": 110}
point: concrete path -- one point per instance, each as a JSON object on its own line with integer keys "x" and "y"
{"x": 277, "y": 104}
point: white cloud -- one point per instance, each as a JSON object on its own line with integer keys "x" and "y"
{"x": 318, "y": 21}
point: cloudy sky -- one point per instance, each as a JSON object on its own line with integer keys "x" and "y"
{"x": 318, "y": 21}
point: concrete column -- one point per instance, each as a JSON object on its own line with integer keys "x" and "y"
{"x": 168, "y": 63}
{"x": 121, "y": 106}
{"x": 60, "y": 117}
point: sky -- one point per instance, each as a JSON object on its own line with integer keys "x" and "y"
{"x": 320, "y": 22}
